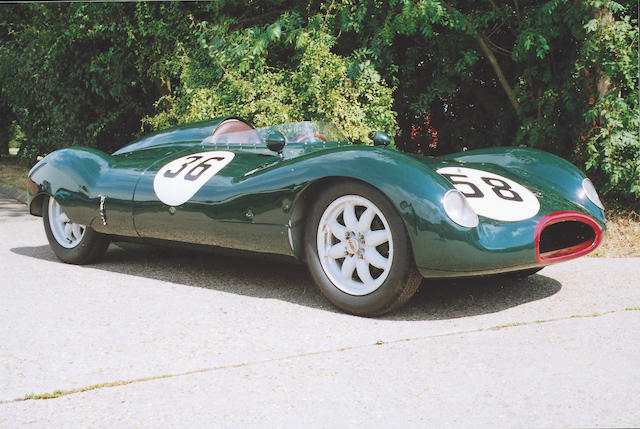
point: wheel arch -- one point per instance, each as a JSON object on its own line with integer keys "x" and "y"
{"x": 303, "y": 203}
{"x": 412, "y": 186}
{"x": 35, "y": 205}
{"x": 71, "y": 173}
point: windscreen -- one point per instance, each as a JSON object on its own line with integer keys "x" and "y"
{"x": 294, "y": 132}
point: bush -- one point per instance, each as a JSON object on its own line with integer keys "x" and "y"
{"x": 610, "y": 147}
{"x": 280, "y": 73}
{"x": 559, "y": 75}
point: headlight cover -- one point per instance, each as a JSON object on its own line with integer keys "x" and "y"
{"x": 591, "y": 193}
{"x": 458, "y": 209}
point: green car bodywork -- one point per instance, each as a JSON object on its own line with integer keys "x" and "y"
{"x": 260, "y": 201}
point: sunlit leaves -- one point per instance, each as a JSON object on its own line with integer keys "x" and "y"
{"x": 280, "y": 72}
{"x": 97, "y": 74}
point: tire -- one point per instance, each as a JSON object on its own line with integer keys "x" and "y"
{"x": 71, "y": 242}
{"x": 368, "y": 267}
{"x": 522, "y": 274}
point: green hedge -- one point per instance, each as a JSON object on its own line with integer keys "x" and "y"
{"x": 441, "y": 76}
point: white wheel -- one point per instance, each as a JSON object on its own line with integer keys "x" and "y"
{"x": 71, "y": 242}
{"x": 358, "y": 250}
{"x": 66, "y": 233}
{"x": 355, "y": 245}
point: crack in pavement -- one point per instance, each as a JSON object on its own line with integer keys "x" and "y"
{"x": 60, "y": 393}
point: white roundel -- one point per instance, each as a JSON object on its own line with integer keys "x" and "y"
{"x": 180, "y": 179}
{"x": 491, "y": 195}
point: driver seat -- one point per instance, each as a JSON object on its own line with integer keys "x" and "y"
{"x": 229, "y": 126}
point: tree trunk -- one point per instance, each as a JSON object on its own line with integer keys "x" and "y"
{"x": 498, "y": 71}
{"x": 6, "y": 118}
{"x": 493, "y": 62}
{"x": 604, "y": 86}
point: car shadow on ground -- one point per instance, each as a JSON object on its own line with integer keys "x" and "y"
{"x": 274, "y": 277}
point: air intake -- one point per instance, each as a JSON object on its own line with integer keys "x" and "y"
{"x": 566, "y": 235}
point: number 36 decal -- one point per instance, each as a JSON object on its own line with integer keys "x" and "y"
{"x": 491, "y": 195}
{"x": 179, "y": 180}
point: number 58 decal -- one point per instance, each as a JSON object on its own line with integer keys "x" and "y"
{"x": 176, "y": 182}
{"x": 492, "y": 195}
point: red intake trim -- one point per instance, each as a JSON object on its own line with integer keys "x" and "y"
{"x": 569, "y": 252}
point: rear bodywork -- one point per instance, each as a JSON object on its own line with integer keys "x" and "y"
{"x": 259, "y": 200}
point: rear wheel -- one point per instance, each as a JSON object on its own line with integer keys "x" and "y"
{"x": 358, "y": 251}
{"x": 71, "y": 242}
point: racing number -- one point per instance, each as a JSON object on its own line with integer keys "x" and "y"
{"x": 477, "y": 193}
{"x": 501, "y": 189}
{"x": 203, "y": 166}
{"x": 171, "y": 174}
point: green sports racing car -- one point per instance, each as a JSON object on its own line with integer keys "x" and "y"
{"x": 370, "y": 222}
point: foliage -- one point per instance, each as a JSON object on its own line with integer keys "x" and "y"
{"x": 278, "y": 73}
{"x": 611, "y": 144}
{"x": 81, "y": 73}
{"x": 442, "y": 75}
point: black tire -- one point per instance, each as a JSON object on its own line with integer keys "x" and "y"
{"x": 522, "y": 274}
{"x": 398, "y": 281}
{"x": 89, "y": 248}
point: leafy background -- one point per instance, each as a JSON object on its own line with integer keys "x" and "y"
{"x": 441, "y": 76}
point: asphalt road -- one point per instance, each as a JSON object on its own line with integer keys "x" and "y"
{"x": 152, "y": 338}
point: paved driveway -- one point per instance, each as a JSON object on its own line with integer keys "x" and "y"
{"x": 151, "y": 338}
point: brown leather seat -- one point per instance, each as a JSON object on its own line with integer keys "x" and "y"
{"x": 229, "y": 126}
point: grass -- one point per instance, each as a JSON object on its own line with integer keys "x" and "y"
{"x": 13, "y": 175}
{"x": 59, "y": 393}
{"x": 622, "y": 237}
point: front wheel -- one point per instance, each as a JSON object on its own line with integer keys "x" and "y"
{"x": 71, "y": 242}
{"x": 358, "y": 251}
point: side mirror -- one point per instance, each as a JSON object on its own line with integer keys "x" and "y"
{"x": 381, "y": 139}
{"x": 276, "y": 141}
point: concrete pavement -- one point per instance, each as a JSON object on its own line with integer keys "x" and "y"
{"x": 207, "y": 339}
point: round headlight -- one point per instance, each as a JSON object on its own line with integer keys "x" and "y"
{"x": 458, "y": 209}
{"x": 590, "y": 192}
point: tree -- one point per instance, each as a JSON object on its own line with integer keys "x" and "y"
{"x": 5, "y": 127}
{"x": 443, "y": 75}
{"x": 500, "y": 73}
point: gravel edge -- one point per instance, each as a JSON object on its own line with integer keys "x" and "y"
{"x": 16, "y": 194}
